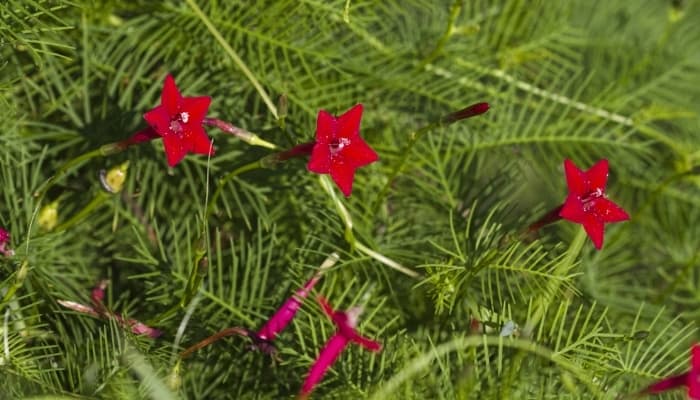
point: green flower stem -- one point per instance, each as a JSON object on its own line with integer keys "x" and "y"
{"x": 19, "y": 280}
{"x": 454, "y": 13}
{"x": 269, "y": 162}
{"x": 342, "y": 211}
{"x": 248, "y": 137}
{"x": 350, "y": 237}
{"x": 67, "y": 167}
{"x": 200, "y": 263}
{"x": 94, "y": 204}
{"x": 386, "y": 260}
{"x": 194, "y": 281}
{"x": 105, "y": 150}
{"x": 412, "y": 139}
{"x": 234, "y": 56}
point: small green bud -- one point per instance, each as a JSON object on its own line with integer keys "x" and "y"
{"x": 48, "y": 216}
{"x": 174, "y": 378}
{"x": 23, "y": 270}
{"x": 113, "y": 180}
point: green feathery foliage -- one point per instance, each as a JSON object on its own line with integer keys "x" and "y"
{"x": 489, "y": 313}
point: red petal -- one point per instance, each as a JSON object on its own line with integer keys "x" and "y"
{"x": 326, "y": 126}
{"x": 358, "y": 153}
{"x": 320, "y": 160}
{"x": 597, "y": 176}
{"x": 608, "y": 211}
{"x": 198, "y": 141}
{"x": 197, "y": 108}
{"x": 174, "y": 149}
{"x": 595, "y": 228}
{"x": 575, "y": 179}
{"x": 368, "y": 344}
{"x": 343, "y": 175}
{"x": 330, "y": 352}
{"x": 159, "y": 120}
{"x": 667, "y": 384}
{"x": 171, "y": 97}
{"x": 143, "y": 135}
{"x": 572, "y": 209}
{"x": 693, "y": 380}
{"x": 349, "y": 123}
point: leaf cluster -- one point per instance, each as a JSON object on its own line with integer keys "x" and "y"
{"x": 494, "y": 313}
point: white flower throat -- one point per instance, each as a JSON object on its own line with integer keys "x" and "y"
{"x": 337, "y": 145}
{"x": 176, "y": 123}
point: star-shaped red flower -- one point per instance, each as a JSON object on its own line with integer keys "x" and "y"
{"x": 178, "y": 120}
{"x": 339, "y": 150}
{"x": 346, "y": 322}
{"x": 691, "y": 379}
{"x": 587, "y": 203}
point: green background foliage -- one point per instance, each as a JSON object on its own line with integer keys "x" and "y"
{"x": 575, "y": 79}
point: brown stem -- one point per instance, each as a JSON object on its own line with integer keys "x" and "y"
{"x": 213, "y": 338}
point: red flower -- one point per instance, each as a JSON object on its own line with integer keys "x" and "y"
{"x": 5, "y": 243}
{"x": 339, "y": 149}
{"x": 179, "y": 121}
{"x": 691, "y": 379}
{"x": 587, "y": 203}
{"x": 346, "y": 333}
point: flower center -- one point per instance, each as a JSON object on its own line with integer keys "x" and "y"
{"x": 589, "y": 200}
{"x": 337, "y": 145}
{"x": 178, "y": 120}
{"x": 176, "y": 126}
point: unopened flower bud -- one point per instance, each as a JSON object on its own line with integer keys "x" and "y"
{"x": 468, "y": 112}
{"x": 282, "y": 109}
{"x": 174, "y": 378}
{"x": 5, "y": 243}
{"x": 48, "y": 216}
{"x": 113, "y": 180}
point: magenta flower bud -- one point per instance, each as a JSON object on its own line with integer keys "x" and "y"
{"x": 5, "y": 244}
{"x": 286, "y": 312}
{"x": 284, "y": 315}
